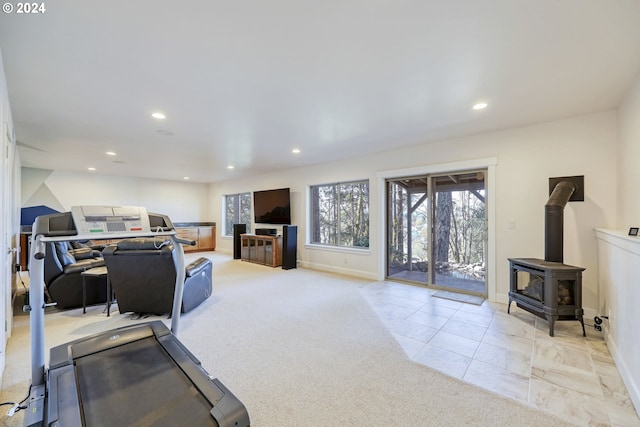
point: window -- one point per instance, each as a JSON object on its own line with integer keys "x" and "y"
{"x": 237, "y": 210}
{"x": 340, "y": 214}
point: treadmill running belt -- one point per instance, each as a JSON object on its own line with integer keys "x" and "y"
{"x": 138, "y": 384}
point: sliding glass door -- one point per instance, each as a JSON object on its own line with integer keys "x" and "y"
{"x": 407, "y": 230}
{"x": 436, "y": 230}
{"x": 460, "y": 235}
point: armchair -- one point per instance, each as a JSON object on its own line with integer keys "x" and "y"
{"x": 143, "y": 276}
{"x": 63, "y": 263}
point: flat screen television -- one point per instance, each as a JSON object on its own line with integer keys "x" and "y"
{"x": 272, "y": 206}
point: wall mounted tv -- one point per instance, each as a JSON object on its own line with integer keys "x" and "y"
{"x": 272, "y": 206}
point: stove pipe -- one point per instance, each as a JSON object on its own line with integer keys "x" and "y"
{"x": 554, "y": 221}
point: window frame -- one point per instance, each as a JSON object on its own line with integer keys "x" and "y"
{"x": 339, "y": 208}
{"x": 228, "y": 227}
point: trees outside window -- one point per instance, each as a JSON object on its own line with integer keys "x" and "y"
{"x": 340, "y": 214}
{"x": 237, "y": 210}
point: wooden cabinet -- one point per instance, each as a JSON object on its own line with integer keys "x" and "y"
{"x": 25, "y": 246}
{"x": 261, "y": 249}
{"x": 205, "y": 238}
{"x": 188, "y": 233}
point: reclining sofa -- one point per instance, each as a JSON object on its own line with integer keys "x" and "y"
{"x": 63, "y": 264}
{"x": 143, "y": 276}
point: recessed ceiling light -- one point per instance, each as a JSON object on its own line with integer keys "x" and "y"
{"x": 480, "y": 106}
{"x": 110, "y": 153}
{"x": 91, "y": 168}
{"x": 159, "y": 116}
{"x": 230, "y": 167}
{"x": 186, "y": 177}
{"x": 295, "y": 150}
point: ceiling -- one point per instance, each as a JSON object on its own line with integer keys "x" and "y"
{"x": 244, "y": 82}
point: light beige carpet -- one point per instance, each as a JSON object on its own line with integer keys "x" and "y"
{"x": 298, "y": 348}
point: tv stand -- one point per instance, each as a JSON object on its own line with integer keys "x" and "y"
{"x": 261, "y": 249}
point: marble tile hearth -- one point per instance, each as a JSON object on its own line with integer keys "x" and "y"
{"x": 513, "y": 355}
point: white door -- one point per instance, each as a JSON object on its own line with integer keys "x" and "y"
{"x": 8, "y": 220}
{"x": 5, "y": 246}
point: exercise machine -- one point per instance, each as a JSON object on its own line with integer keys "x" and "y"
{"x": 134, "y": 375}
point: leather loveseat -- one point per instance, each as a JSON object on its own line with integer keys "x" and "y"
{"x": 143, "y": 276}
{"x": 63, "y": 264}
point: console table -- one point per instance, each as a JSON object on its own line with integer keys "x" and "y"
{"x": 261, "y": 249}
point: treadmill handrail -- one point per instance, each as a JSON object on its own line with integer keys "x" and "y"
{"x": 105, "y": 236}
{"x": 36, "y": 315}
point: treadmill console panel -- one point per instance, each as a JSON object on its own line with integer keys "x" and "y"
{"x": 106, "y": 222}
{"x": 110, "y": 219}
{"x": 60, "y": 224}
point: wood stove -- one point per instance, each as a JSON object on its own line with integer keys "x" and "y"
{"x": 550, "y": 290}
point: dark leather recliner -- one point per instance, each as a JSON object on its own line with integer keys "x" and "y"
{"x": 143, "y": 276}
{"x": 63, "y": 264}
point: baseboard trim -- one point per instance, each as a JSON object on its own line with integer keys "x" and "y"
{"x": 339, "y": 270}
{"x": 632, "y": 387}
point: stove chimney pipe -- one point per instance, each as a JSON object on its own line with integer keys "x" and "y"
{"x": 554, "y": 221}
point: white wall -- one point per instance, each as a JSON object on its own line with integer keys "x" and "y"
{"x": 527, "y": 157}
{"x": 181, "y": 201}
{"x": 619, "y": 254}
{"x": 629, "y": 159}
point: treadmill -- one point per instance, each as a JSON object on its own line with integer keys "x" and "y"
{"x": 138, "y": 375}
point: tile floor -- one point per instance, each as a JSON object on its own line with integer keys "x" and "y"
{"x": 511, "y": 354}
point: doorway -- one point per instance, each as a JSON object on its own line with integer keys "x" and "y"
{"x": 437, "y": 230}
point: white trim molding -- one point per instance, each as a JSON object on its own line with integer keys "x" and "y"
{"x": 618, "y": 299}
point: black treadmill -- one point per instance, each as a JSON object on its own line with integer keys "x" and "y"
{"x": 138, "y": 375}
